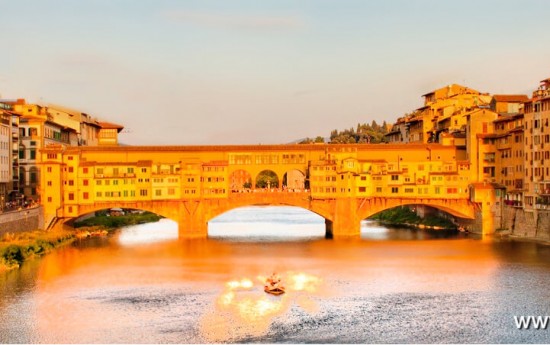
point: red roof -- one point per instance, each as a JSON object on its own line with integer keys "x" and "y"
{"x": 109, "y": 125}
{"x": 511, "y": 98}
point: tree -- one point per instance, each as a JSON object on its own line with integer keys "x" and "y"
{"x": 319, "y": 139}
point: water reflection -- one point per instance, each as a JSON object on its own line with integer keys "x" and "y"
{"x": 252, "y": 224}
{"x": 395, "y": 287}
{"x": 163, "y": 230}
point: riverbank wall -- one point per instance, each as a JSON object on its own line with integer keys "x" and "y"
{"x": 528, "y": 224}
{"x": 28, "y": 219}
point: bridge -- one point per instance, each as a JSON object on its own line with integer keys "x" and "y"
{"x": 193, "y": 184}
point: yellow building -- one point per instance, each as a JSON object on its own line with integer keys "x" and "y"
{"x": 537, "y": 148}
{"x": 509, "y": 157}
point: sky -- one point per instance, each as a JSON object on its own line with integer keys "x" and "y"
{"x": 263, "y": 72}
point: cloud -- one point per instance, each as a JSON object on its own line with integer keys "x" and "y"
{"x": 234, "y": 21}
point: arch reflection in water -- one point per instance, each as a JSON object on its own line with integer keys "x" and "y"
{"x": 163, "y": 230}
{"x": 278, "y": 223}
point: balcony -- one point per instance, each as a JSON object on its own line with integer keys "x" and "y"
{"x": 513, "y": 203}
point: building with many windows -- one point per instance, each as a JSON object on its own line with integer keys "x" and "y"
{"x": 38, "y": 127}
{"x": 537, "y": 148}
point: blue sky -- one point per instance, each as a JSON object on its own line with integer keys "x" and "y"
{"x": 231, "y": 72}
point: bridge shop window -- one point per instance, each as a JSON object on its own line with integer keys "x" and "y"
{"x": 240, "y": 159}
{"x": 293, "y": 158}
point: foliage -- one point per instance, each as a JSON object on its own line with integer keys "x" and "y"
{"x": 110, "y": 222}
{"x": 267, "y": 178}
{"x": 404, "y": 215}
{"x": 364, "y": 133}
{"x": 318, "y": 140}
{"x": 398, "y": 215}
{"x": 28, "y": 245}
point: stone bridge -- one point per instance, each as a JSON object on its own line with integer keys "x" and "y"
{"x": 193, "y": 184}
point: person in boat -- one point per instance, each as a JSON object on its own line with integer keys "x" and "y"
{"x": 274, "y": 281}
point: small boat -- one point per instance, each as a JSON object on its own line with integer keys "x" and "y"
{"x": 273, "y": 285}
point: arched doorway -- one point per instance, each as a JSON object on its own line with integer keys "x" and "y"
{"x": 240, "y": 180}
{"x": 267, "y": 179}
{"x": 294, "y": 180}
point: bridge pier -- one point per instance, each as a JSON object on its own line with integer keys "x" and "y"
{"x": 192, "y": 221}
{"x": 345, "y": 222}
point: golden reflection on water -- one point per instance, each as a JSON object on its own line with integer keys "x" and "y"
{"x": 245, "y": 304}
{"x": 68, "y": 302}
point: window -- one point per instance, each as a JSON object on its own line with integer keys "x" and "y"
{"x": 49, "y": 169}
{"x": 394, "y": 177}
{"x": 49, "y": 183}
{"x": 49, "y": 199}
{"x": 158, "y": 192}
{"x": 32, "y": 153}
{"x": 394, "y": 189}
{"x": 71, "y": 169}
{"x": 70, "y": 158}
{"x": 71, "y": 196}
{"x": 143, "y": 192}
{"x": 85, "y": 195}
{"x": 362, "y": 189}
{"x": 84, "y": 182}
{"x": 71, "y": 182}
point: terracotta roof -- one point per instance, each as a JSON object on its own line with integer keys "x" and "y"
{"x": 487, "y": 185}
{"x": 511, "y": 98}
{"x": 504, "y": 118}
{"x": 109, "y": 125}
{"x": 490, "y": 135}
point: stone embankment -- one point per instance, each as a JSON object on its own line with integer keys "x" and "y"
{"x": 26, "y": 219}
{"x": 533, "y": 225}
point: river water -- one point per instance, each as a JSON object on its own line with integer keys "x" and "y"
{"x": 142, "y": 285}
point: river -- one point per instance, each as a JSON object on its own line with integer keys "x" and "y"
{"x": 143, "y": 285}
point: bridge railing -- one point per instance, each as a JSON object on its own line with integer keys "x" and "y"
{"x": 269, "y": 190}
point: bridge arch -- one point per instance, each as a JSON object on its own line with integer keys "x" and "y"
{"x": 294, "y": 179}
{"x": 240, "y": 180}
{"x": 165, "y": 209}
{"x": 283, "y": 220}
{"x": 267, "y": 179}
{"x": 457, "y": 208}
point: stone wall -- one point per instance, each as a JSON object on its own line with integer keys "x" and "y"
{"x": 25, "y": 220}
{"x": 527, "y": 224}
